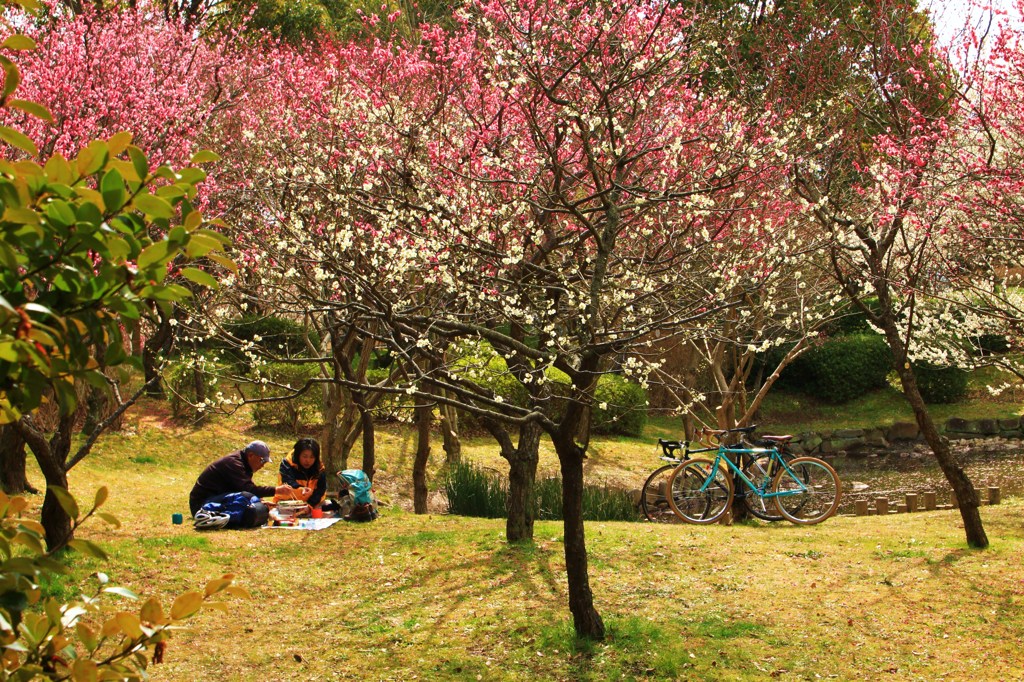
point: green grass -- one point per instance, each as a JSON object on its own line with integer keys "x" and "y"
{"x": 443, "y": 597}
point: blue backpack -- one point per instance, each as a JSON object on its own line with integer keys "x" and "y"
{"x": 360, "y": 488}
{"x": 244, "y": 510}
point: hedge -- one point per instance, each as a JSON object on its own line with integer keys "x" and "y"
{"x": 839, "y": 370}
{"x": 940, "y": 385}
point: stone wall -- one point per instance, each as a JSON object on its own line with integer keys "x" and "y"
{"x": 852, "y": 441}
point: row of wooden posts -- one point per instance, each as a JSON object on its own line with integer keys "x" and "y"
{"x": 913, "y": 502}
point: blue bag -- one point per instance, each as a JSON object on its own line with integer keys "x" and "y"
{"x": 245, "y": 510}
{"x": 359, "y": 485}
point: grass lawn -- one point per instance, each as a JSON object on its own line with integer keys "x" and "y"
{"x": 442, "y": 597}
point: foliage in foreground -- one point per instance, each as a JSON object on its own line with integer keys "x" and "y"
{"x": 472, "y": 491}
{"x": 80, "y": 639}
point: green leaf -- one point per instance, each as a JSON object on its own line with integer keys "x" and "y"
{"x": 200, "y": 245}
{"x": 12, "y": 77}
{"x": 89, "y": 548}
{"x": 31, "y": 541}
{"x": 8, "y": 257}
{"x": 109, "y": 518}
{"x": 153, "y": 612}
{"x": 101, "y": 496}
{"x": 122, "y": 592}
{"x": 153, "y": 206}
{"x": 18, "y": 42}
{"x": 93, "y": 157}
{"x": 31, "y": 108}
{"x": 130, "y": 624}
{"x": 112, "y": 188}
{"x": 199, "y": 277}
{"x": 119, "y": 249}
{"x": 186, "y": 605}
{"x": 87, "y": 636}
{"x": 85, "y": 670}
{"x": 118, "y": 142}
{"x": 139, "y": 160}
{"x": 65, "y": 499}
{"x": 153, "y": 253}
{"x": 205, "y": 156}
{"x": 58, "y": 169}
{"x": 19, "y": 140}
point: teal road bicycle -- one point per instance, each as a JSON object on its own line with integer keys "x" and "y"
{"x": 803, "y": 490}
{"x": 654, "y": 494}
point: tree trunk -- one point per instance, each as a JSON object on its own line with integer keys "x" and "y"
{"x": 424, "y": 415}
{"x": 955, "y": 474}
{"x": 586, "y": 620}
{"x": 369, "y": 447}
{"x": 97, "y": 398}
{"x": 332, "y": 437}
{"x": 450, "y": 434}
{"x": 51, "y": 456}
{"x": 13, "y": 478}
{"x": 522, "y": 473}
{"x": 159, "y": 342}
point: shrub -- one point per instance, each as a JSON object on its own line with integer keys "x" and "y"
{"x": 293, "y": 412}
{"x": 940, "y": 384}
{"x": 990, "y": 344}
{"x": 277, "y": 335}
{"x": 838, "y": 370}
{"x": 847, "y": 367}
{"x": 624, "y": 410}
{"x": 473, "y": 491}
{"x": 852, "y": 320}
{"x": 192, "y": 381}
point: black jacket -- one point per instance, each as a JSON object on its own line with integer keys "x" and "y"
{"x": 229, "y": 474}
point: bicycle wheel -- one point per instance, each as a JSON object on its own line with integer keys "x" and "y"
{"x": 654, "y": 497}
{"x": 696, "y": 496}
{"x": 759, "y": 471}
{"x": 810, "y": 494}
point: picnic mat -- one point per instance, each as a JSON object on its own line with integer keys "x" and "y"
{"x": 309, "y": 524}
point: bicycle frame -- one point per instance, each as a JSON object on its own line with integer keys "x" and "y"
{"x": 669, "y": 447}
{"x": 735, "y": 470}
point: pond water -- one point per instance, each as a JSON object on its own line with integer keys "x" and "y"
{"x": 993, "y": 462}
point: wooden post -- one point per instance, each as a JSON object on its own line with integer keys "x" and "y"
{"x": 929, "y": 501}
{"x": 993, "y": 494}
{"x": 911, "y": 502}
{"x": 881, "y": 506}
{"x": 861, "y": 507}
{"x": 901, "y": 507}
{"x": 953, "y": 502}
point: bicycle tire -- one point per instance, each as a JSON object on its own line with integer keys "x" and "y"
{"x": 818, "y": 502}
{"x": 758, "y": 471}
{"x": 691, "y": 503}
{"x": 654, "y": 496}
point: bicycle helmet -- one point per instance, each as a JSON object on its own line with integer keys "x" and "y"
{"x": 207, "y": 520}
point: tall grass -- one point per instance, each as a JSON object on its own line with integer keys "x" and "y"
{"x": 472, "y": 491}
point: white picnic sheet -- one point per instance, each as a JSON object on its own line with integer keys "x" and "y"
{"x": 309, "y": 524}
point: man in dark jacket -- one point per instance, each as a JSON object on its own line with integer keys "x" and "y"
{"x": 233, "y": 474}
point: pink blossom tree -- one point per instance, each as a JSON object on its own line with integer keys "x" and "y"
{"x": 546, "y": 187}
{"x": 899, "y": 170}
